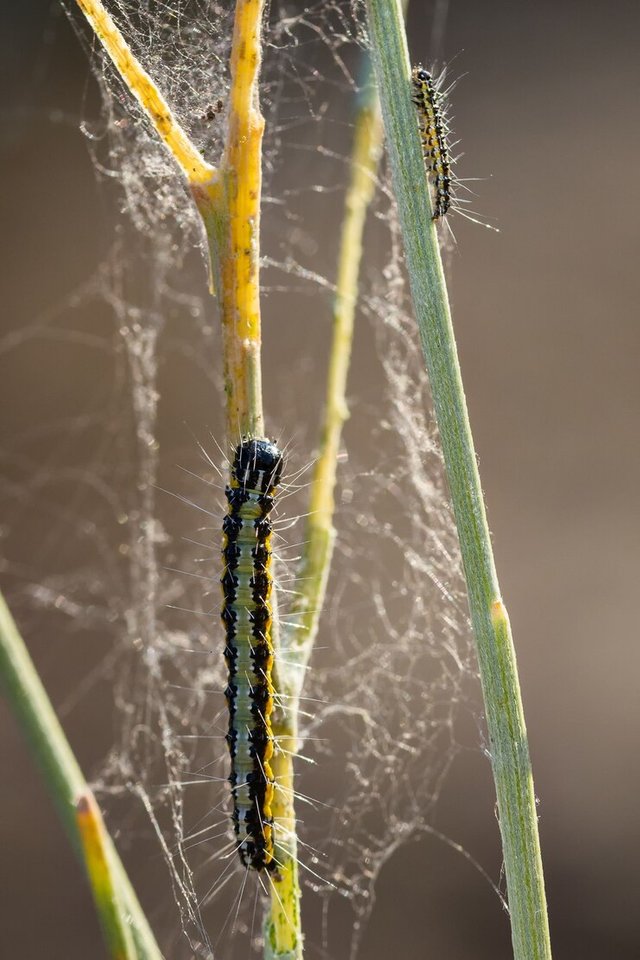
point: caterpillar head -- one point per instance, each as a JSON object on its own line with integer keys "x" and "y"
{"x": 258, "y": 465}
{"x": 420, "y": 74}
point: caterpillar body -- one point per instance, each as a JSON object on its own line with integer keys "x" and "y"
{"x": 247, "y": 617}
{"x": 430, "y": 103}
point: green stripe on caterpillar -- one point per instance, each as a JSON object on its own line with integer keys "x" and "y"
{"x": 247, "y": 616}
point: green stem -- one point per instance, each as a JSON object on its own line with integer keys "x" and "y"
{"x": 319, "y": 533}
{"x": 496, "y": 656}
{"x": 35, "y": 715}
{"x": 95, "y": 844}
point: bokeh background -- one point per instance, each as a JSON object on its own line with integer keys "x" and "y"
{"x": 547, "y": 327}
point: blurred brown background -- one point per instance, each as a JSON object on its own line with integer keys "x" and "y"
{"x": 548, "y": 336}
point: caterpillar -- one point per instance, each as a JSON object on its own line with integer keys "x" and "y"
{"x": 430, "y": 102}
{"x": 247, "y": 615}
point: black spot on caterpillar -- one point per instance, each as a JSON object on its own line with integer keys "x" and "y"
{"x": 247, "y": 615}
{"x": 434, "y": 130}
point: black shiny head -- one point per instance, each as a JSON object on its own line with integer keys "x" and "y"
{"x": 421, "y": 74}
{"x": 258, "y": 465}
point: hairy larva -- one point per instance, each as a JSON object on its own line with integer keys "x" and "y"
{"x": 247, "y": 616}
{"x": 429, "y": 101}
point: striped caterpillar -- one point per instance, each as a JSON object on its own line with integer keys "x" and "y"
{"x": 247, "y": 615}
{"x": 433, "y": 133}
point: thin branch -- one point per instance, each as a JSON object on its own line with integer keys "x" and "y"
{"x": 496, "y": 656}
{"x": 319, "y": 534}
{"x": 33, "y": 711}
{"x": 111, "y": 912}
{"x": 143, "y": 88}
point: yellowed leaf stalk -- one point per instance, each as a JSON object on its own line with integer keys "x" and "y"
{"x": 97, "y": 859}
{"x": 319, "y": 532}
{"x": 196, "y": 169}
{"x": 50, "y": 748}
{"x": 281, "y": 925}
{"x": 283, "y": 939}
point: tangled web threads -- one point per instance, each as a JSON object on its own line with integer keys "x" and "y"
{"x": 141, "y": 575}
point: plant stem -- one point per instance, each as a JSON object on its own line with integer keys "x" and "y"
{"x": 228, "y": 199}
{"x": 37, "y": 719}
{"x": 319, "y": 534}
{"x": 94, "y": 838}
{"x": 146, "y": 93}
{"x": 496, "y": 656}
{"x": 230, "y": 209}
{"x": 283, "y": 939}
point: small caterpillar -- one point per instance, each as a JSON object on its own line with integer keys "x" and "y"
{"x": 247, "y": 614}
{"x": 433, "y": 132}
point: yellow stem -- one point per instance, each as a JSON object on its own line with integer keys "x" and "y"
{"x": 46, "y": 740}
{"x": 319, "y": 533}
{"x": 196, "y": 170}
{"x": 228, "y": 199}
{"x": 230, "y": 208}
{"x": 95, "y": 845}
{"x": 242, "y": 166}
{"x": 283, "y": 937}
